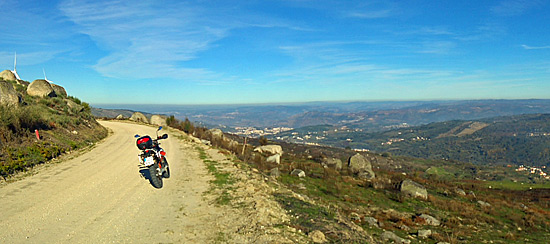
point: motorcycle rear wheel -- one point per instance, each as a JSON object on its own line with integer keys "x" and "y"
{"x": 155, "y": 178}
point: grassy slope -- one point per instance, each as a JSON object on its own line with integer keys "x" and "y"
{"x": 62, "y": 128}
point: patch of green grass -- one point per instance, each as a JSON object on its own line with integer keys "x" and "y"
{"x": 222, "y": 180}
{"x": 510, "y": 185}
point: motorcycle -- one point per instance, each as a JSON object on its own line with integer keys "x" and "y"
{"x": 152, "y": 157}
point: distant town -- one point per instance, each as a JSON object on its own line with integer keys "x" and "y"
{"x": 534, "y": 170}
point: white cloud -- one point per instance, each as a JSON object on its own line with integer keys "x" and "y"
{"x": 534, "y": 48}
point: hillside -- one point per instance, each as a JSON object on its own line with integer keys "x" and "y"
{"x": 520, "y": 139}
{"x": 63, "y": 124}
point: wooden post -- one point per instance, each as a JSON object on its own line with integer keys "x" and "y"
{"x": 244, "y": 146}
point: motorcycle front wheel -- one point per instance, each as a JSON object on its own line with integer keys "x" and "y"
{"x": 155, "y": 178}
{"x": 166, "y": 173}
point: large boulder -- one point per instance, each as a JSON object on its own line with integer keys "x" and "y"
{"x": 40, "y": 88}
{"x": 217, "y": 134}
{"x": 360, "y": 166}
{"x": 270, "y": 149}
{"x": 158, "y": 120}
{"x": 59, "y": 90}
{"x": 7, "y": 75}
{"x": 139, "y": 117}
{"x": 274, "y": 159}
{"x": 413, "y": 189}
{"x": 8, "y": 95}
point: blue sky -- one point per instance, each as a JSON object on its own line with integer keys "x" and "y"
{"x": 232, "y": 52}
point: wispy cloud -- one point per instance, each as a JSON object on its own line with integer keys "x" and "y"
{"x": 150, "y": 39}
{"x": 534, "y": 47}
{"x": 515, "y": 7}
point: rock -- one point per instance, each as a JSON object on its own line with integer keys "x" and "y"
{"x": 472, "y": 194}
{"x": 390, "y": 236}
{"x": 59, "y": 90}
{"x": 139, "y": 117}
{"x": 206, "y": 142}
{"x": 74, "y": 106}
{"x": 7, "y": 75}
{"x": 217, "y": 134}
{"x": 443, "y": 242}
{"x": 274, "y": 159}
{"x": 40, "y": 88}
{"x": 361, "y": 167}
{"x": 317, "y": 236}
{"x": 460, "y": 192}
{"x": 275, "y": 173}
{"x": 372, "y": 221}
{"x": 270, "y": 149}
{"x": 298, "y": 172}
{"x": 158, "y": 120}
{"x": 120, "y": 117}
{"x": 424, "y": 233}
{"x": 411, "y": 188}
{"x": 484, "y": 204}
{"x": 334, "y": 163}
{"x": 430, "y": 220}
{"x": 8, "y": 95}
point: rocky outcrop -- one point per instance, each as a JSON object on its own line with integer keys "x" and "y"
{"x": 40, "y": 88}
{"x": 59, "y": 90}
{"x": 270, "y": 149}
{"x": 7, "y": 75}
{"x": 8, "y": 95}
{"x": 120, "y": 117}
{"x": 158, "y": 120}
{"x": 139, "y": 117}
{"x": 361, "y": 167}
{"x": 424, "y": 233}
{"x": 413, "y": 189}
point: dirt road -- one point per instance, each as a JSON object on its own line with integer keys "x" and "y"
{"x": 100, "y": 197}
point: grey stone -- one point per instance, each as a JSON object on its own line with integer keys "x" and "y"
{"x": 7, "y": 75}
{"x": 371, "y": 221}
{"x": 424, "y": 233}
{"x": 270, "y": 149}
{"x": 460, "y": 192}
{"x": 59, "y": 90}
{"x": 390, "y": 236}
{"x": 298, "y": 172}
{"x": 430, "y": 220}
{"x": 334, "y": 163}
{"x": 158, "y": 120}
{"x": 274, "y": 159}
{"x": 40, "y": 88}
{"x": 484, "y": 204}
{"x": 361, "y": 167}
{"x": 275, "y": 172}
{"x": 139, "y": 117}
{"x": 411, "y": 188}
{"x": 8, "y": 95}
{"x": 120, "y": 117}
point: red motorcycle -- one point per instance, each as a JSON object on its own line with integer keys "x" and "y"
{"x": 152, "y": 157}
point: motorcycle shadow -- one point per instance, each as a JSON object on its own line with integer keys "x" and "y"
{"x": 144, "y": 171}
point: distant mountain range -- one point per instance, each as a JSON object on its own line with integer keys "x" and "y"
{"x": 370, "y": 116}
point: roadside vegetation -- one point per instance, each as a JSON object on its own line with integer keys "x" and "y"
{"x": 63, "y": 124}
{"x": 473, "y": 203}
